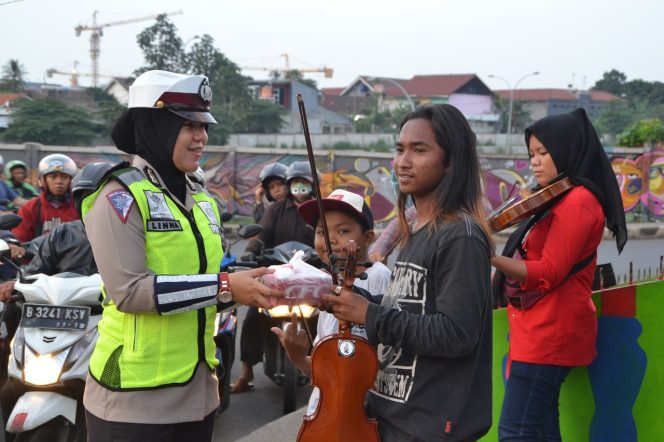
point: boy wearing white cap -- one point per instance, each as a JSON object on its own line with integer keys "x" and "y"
{"x": 348, "y": 218}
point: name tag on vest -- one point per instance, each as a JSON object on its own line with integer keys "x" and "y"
{"x": 167, "y": 225}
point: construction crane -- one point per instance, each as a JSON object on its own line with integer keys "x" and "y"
{"x": 73, "y": 75}
{"x": 96, "y": 31}
{"x": 327, "y": 72}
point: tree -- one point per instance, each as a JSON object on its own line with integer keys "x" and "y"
{"x": 13, "y": 74}
{"x": 615, "y": 117}
{"x": 50, "y": 121}
{"x": 232, "y": 104}
{"x": 372, "y": 121}
{"x": 264, "y": 117}
{"x": 520, "y": 116}
{"x": 612, "y": 81}
{"x": 161, "y": 46}
{"x": 294, "y": 74}
{"x": 642, "y": 132}
{"x": 109, "y": 110}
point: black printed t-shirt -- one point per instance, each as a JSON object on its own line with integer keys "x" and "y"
{"x": 433, "y": 331}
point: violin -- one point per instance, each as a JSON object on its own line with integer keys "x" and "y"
{"x": 511, "y": 213}
{"x": 343, "y": 366}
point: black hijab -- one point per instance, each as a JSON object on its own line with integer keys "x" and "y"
{"x": 151, "y": 134}
{"x": 577, "y": 152}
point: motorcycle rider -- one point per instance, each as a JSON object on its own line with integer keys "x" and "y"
{"x": 16, "y": 172}
{"x": 272, "y": 186}
{"x": 54, "y": 205}
{"x": 64, "y": 249}
{"x": 8, "y": 195}
{"x": 281, "y": 223}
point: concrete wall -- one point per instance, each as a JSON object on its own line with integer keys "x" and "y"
{"x": 232, "y": 173}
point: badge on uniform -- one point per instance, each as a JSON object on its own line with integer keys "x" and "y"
{"x": 208, "y": 210}
{"x": 161, "y": 217}
{"x": 121, "y": 201}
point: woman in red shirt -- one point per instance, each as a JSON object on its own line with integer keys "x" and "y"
{"x": 553, "y": 254}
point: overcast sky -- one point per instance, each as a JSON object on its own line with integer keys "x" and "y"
{"x": 568, "y": 41}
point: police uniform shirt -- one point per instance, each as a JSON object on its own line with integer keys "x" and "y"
{"x": 125, "y": 274}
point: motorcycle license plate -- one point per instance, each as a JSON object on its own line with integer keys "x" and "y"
{"x": 55, "y": 316}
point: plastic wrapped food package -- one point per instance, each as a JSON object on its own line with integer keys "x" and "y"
{"x": 300, "y": 282}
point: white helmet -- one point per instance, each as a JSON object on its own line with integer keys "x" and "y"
{"x": 188, "y": 96}
{"x": 57, "y": 162}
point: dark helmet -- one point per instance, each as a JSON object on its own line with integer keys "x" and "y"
{"x": 87, "y": 180}
{"x": 270, "y": 171}
{"x": 299, "y": 169}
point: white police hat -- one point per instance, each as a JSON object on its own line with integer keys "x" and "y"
{"x": 188, "y": 96}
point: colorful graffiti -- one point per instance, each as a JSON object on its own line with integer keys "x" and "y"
{"x": 641, "y": 181}
{"x": 232, "y": 177}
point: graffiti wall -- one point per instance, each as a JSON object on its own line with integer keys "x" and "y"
{"x": 641, "y": 180}
{"x": 232, "y": 176}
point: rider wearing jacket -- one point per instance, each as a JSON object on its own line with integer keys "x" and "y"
{"x": 65, "y": 249}
{"x": 16, "y": 171}
{"x": 54, "y": 205}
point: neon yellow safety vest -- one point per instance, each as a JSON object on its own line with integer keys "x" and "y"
{"x": 148, "y": 350}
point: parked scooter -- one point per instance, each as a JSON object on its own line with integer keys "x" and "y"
{"x": 50, "y": 353}
{"x": 276, "y": 364}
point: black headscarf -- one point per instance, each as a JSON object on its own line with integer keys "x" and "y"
{"x": 577, "y": 152}
{"x": 151, "y": 134}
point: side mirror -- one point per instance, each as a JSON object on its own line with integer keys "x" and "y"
{"x": 9, "y": 221}
{"x": 226, "y": 216}
{"x": 249, "y": 231}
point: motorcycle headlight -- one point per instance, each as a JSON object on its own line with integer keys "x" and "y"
{"x": 284, "y": 311}
{"x": 43, "y": 369}
{"x": 18, "y": 344}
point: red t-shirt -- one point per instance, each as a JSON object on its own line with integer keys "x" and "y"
{"x": 50, "y": 216}
{"x": 561, "y": 328}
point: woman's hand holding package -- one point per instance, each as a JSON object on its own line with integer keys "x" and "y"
{"x": 248, "y": 291}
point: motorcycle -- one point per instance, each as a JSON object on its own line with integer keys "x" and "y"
{"x": 276, "y": 364}
{"x": 226, "y": 321}
{"x": 50, "y": 353}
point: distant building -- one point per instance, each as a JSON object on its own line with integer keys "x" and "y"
{"x": 6, "y": 100}
{"x": 320, "y": 119}
{"x": 118, "y": 87}
{"x": 540, "y": 103}
{"x": 465, "y": 91}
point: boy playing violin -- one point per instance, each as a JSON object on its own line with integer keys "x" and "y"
{"x": 348, "y": 218}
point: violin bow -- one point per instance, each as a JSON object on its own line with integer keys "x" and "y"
{"x": 314, "y": 174}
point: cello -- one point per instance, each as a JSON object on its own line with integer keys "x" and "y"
{"x": 343, "y": 366}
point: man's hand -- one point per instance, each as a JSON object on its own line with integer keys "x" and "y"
{"x": 16, "y": 251}
{"x": 295, "y": 342}
{"x": 6, "y": 290}
{"x": 347, "y": 306}
{"x": 246, "y": 290}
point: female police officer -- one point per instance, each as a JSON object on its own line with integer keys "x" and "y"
{"x": 156, "y": 238}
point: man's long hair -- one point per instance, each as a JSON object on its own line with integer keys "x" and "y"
{"x": 460, "y": 189}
